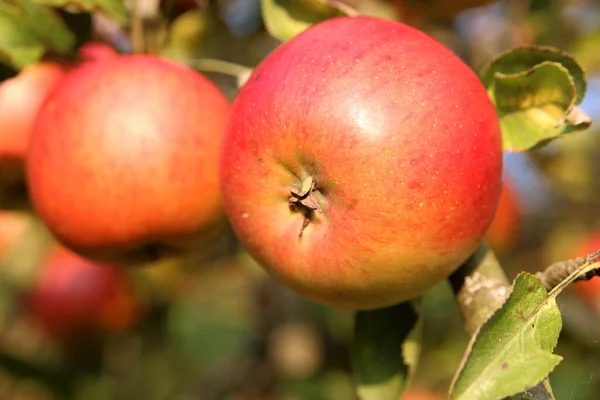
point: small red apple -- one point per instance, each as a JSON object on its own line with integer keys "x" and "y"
{"x": 589, "y": 291}
{"x": 72, "y": 293}
{"x": 502, "y": 234}
{"x": 21, "y": 98}
{"x": 123, "y": 160}
{"x": 362, "y": 163}
{"x": 13, "y": 225}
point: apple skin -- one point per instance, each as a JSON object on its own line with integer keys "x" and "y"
{"x": 21, "y": 98}
{"x": 402, "y": 143}
{"x": 502, "y": 234}
{"x": 72, "y": 294}
{"x": 123, "y": 161}
{"x": 589, "y": 291}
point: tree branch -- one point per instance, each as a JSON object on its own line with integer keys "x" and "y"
{"x": 559, "y": 271}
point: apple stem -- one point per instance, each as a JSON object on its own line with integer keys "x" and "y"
{"x": 305, "y": 202}
{"x": 137, "y": 29}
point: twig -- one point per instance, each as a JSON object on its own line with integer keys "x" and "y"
{"x": 559, "y": 271}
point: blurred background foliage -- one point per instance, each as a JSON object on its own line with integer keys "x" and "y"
{"x": 218, "y": 328}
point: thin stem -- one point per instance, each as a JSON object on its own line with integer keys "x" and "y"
{"x": 137, "y": 29}
{"x": 240, "y": 72}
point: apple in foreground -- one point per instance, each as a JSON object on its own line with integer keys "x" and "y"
{"x": 72, "y": 294}
{"x": 21, "y": 98}
{"x": 362, "y": 163}
{"x": 123, "y": 160}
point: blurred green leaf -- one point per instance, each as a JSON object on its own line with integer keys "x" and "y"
{"x": 285, "y": 19}
{"x": 19, "y": 45}
{"x": 48, "y": 26}
{"x": 535, "y": 91}
{"x": 27, "y": 30}
{"x": 512, "y": 350}
{"x": 113, "y": 8}
{"x": 196, "y": 33}
{"x": 384, "y": 350}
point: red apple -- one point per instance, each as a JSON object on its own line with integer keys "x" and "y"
{"x": 21, "y": 98}
{"x": 72, "y": 293}
{"x": 502, "y": 234}
{"x": 362, "y": 163}
{"x": 12, "y": 229}
{"x": 589, "y": 291}
{"x": 123, "y": 161}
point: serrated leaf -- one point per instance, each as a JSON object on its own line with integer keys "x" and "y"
{"x": 512, "y": 351}
{"x": 535, "y": 90}
{"x": 285, "y": 19}
{"x": 384, "y": 351}
{"x": 19, "y": 45}
{"x": 113, "y": 8}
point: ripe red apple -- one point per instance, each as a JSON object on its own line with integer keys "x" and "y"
{"x": 589, "y": 291}
{"x": 21, "y": 98}
{"x": 502, "y": 234}
{"x": 123, "y": 160}
{"x": 12, "y": 228}
{"x": 362, "y": 163}
{"x": 72, "y": 293}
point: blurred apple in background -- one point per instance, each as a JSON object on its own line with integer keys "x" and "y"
{"x": 72, "y": 294}
{"x": 502, "y": 234}
{"x": 421, "y": 394}
{"x": 123, "y": 160}
{"x": 21, "y": 98}
{"x": 589, "y": 291}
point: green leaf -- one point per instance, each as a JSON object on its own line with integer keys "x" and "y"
{"x": 285, "y": 19}
{"x": 512, "y": 351}
{"x": 113, "y": 8}
{"x": 28, "y": 29}
{"x": 384, "y": 350}
{"x": 48, "y": 26}
{"x": 19, "y": 45}
{"x": 535, "y": 90}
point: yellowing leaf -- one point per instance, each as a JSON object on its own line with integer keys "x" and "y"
{"x": 535, "y": 91}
